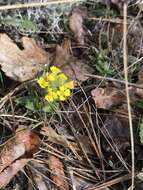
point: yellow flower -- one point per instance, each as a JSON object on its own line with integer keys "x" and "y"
{"x": 62, "y": 88}
{"x": 55, "y": 70}
{"x": 70, "y": 84}
{"x": 49, "y": 89}
{"x": 42, "y": 82}
{"x": 51, "y": 77}
{"x": 67, "y": 93}
{"x": 59, "y": 93}
{"x": 57, "y": 85}
{"x": 62, "y": 98}
{"x": 49, "y": 98}
{"x": 63, "y": 77}
{"x": 55, "y": 95}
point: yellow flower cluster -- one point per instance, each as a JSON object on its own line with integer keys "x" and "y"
{"x": 57, "y": 85}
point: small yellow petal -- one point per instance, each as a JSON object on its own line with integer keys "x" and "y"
{"x": 59, "y": 93}
{"x": 51, "y": 77}
{"x": 42, "y": 82}
{"x": 62, "y": 98}
{"x": 62, "y": 88}
{"x": 55, "y": 70}
{"x": 49, "y": 98}
{"x": 49, "y": 89}
{"x": 55, "y": 96}
{"x": 70, "y": 84}
{"x": 63, "y": 77}
{"x": 67, "y": 93}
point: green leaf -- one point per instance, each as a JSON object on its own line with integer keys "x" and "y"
{"x": 26, "y": 24}
{"x": 29, "y": 102}
{"x": 23, "y": 24}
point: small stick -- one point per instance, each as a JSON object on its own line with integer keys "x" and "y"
{"x": 114, "y": 80}
{"x": 39, "y": 4}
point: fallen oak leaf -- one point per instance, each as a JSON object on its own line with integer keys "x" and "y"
{"x": 21, "y": 65}
{"x": 76, "y": 24}
{"x": 75, "y": 69}
{"x": 21, "y": 147}
{"x": 106, "y": 98}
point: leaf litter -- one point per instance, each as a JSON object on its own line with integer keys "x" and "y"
{"x": 91, "y": 148}
{"x": 21, "y": 65}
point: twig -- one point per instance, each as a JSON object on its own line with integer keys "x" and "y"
{"x": 109, "y": 183}
{"x": 114, "y": 80}
{"x": 125, "y": 60}
{"x": 111, "y": 20}
{"x": 39, "y": 4}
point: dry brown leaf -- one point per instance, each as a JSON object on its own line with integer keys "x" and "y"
{"x": 23, "y": 144}
{"x": 59, "y": 139}
{"x": 106, "y": 98}
{"x": 21, "y": 65}
{"x": 54, "y": 137}
{"x": 76, "y": 25}
{"x": 62, "y": 140}
{"x": 57, "y": 171}
{"x": 11, "y": 171}
{"x": 75, "y": 69}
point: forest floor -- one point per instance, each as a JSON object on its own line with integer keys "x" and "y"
{"x": 71, "y": 95}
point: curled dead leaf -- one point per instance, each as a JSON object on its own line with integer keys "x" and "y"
{"x": 76, "y": 25}
{"x": 21, "y": 64}
{"x": 16, "y": 153}
{"x": 106, "y": 98}
{"x": 11, "y": 171}
{"x": 58, "y": 175}
{"x": 75, "y": 69}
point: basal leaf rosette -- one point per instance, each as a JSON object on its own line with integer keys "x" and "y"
{"x": 57, "y": 85}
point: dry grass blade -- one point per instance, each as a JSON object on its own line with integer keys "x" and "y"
{"x": 125, "y": 59}
{"x": 38, "y": 4}
{"x": 109, "y": 183}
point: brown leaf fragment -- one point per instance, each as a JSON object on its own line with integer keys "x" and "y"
{"x": 21, "y": 64}
{"x": 76, "y": 24}
{"x": 106, "y": 98}
{"x": 15, "y": 154}
{"x": 76, "y": 70}
{"x": 56, "y": 138}
{"x": 11, "y": 171}
{"x": 58, "y": 175}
